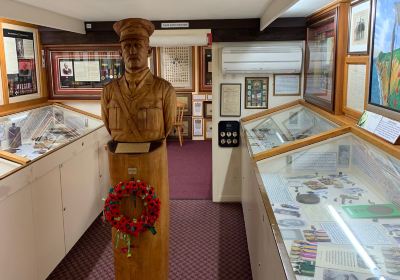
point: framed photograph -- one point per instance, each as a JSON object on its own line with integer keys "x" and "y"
{"x": 205, "y": 59}
{"x": 359, "y": 27}
{"x": 230, "y": 100}
{"x": 287, "y": 85}
{"x": 187, "y": 129}
{"x": 256, "y": 96}
{"x": 176, "y": 65}
{"x": 208, "y": 128}
{"x": 207, "y": 105}
{"x": 197, "y": 126}
{"x": 185, "y": 98}
{"x": 320, "y": 61}
{"x": 22, "y": 62}
{"x": 385, "y": 59}
{"x": 78, "y": 72}
{"x": 197, "y": 108}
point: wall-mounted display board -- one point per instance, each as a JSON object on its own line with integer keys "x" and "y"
{"x": 205, "y": 58}
{"x": 20, "y": 72}
{"x": 355, "y": 85}
{"x": 384, "y": 97}
{"x": 230, "y": 100}
{"x": 82, "y": 72}
{"x": 359, "y": 27}
{"x": 176, "y": 65}
{"x": 320, "y": 61}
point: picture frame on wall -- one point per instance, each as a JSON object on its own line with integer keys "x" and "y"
{"x": 208, "y": 128}
{"x": 197, "y": 108}
{"x": 230, "y": 100}
{"x": 207, "y": 109}
{"x": 384, "y": 59}
{"x": 78, "y": 72}
{"x": 197, "y": 126}
{"x": 205, "y": 59}
{"x": 21, "y": 67}
{"x": 359, "y": 25}
{"x": 176, "y": 65}
{"x": 187, "y": 129}
{"x": 287, "y": 85}
{"x": 356, "y": 86}
{"x": 185, "y": 98}
{"x": 256, "y": 96}
{"x": 320, "y": 65}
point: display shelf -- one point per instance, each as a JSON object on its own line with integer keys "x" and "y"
{"x": 286, "y": 126}
{"x": 335, "y": 205}
{"x": 35, "y": 132}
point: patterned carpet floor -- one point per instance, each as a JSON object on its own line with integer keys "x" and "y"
{"x": 207, "y": 242}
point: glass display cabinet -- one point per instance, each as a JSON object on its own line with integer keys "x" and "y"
{"x": 7, "y": 167}
{"x": 334, "y": 206}
{"x": 33, "y": 133}
{"x": 283, "y": 127}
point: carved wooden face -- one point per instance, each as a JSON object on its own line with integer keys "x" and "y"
{"x": 135, "y": 53}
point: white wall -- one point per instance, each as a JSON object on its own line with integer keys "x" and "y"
{"x": 226, "y": 162}
{"x": 25, "y": 13}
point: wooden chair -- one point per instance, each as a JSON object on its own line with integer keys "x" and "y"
{"x": 178, "y": 124}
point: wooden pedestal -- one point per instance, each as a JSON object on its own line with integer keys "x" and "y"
{"x": 149, "y": 258}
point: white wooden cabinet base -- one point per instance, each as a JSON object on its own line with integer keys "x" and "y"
{"x": 47, "y": 206}
{"x": 264, "y": 256}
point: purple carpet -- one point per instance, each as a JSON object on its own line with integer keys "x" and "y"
{"x": 207, "y": 242}
{"x": 189, "y": 169}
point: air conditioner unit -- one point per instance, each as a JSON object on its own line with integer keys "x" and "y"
{"x": 269, "y": 59}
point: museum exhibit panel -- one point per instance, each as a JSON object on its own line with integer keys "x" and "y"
{"x": 33, "y": 133}
{"x": 283, "y": 127}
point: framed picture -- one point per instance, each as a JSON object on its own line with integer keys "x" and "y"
{"x": 78, "y": 72}
{"x": 207, "y": 105}
{"x": 185, "y": 98}
{"x": 320, "y": 61}
{"x": 230, "y": 100}
{"x": 197, "y": 126}
{"x": 176, "y": 65}
{"x": 384, "y": 60}
{"x": 208, "y": 128}
{"x": 359, "y": 27}
{"x": 197, "y": 108}
{"x": 187, "y": 129}
{"x": 22, "y": 60}
{"x": 256, "y": 96}
{"x": 287, "y": 85}
{"x": 205, "y": 59}
{"x": 356, "y": 85}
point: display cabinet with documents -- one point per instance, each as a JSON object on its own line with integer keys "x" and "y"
{"x": 327, "y": 210}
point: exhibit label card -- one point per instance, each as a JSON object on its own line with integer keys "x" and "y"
{"x": 87, "y": 71}
{"x": 381, "y": 126}
{"x": 10, "y": 49}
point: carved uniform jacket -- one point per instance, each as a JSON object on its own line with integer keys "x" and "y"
{"x": 144, "y": 114}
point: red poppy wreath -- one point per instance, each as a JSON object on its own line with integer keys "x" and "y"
{"x": 135, "y": 226}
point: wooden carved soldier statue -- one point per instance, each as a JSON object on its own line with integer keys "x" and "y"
{"x": 138, "y": 107}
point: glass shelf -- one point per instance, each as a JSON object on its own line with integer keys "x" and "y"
{"x": 7, "y": 166}
{"x": 337, "y": 206}
{"x": 294, "y": 123}
{"x": 33, "y": 133}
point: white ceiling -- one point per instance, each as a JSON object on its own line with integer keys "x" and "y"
{"x": 106, "y": 10}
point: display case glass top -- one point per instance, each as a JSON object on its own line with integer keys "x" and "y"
{"x": 7, "y": 166}
{"x": 273, "y": 130}
{"x": 337, "y": 206}
{"x": 35, "y": 132}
